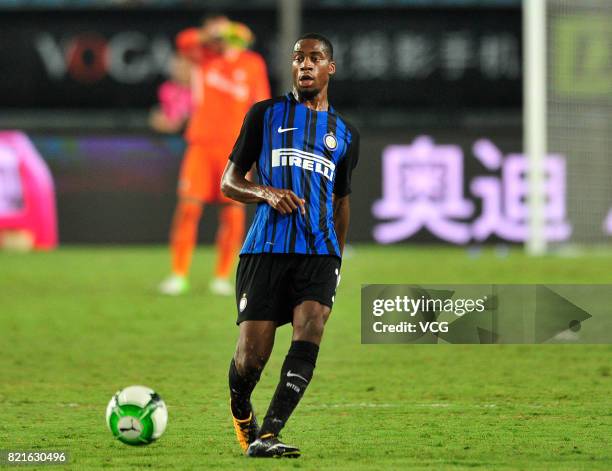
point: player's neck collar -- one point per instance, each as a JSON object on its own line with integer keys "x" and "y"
{"x": 291, "y": 97}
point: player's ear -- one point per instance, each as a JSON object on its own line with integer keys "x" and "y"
{"x": 331, "y": 68}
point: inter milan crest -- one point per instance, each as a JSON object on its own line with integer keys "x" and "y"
{"x": 330, "y": 141}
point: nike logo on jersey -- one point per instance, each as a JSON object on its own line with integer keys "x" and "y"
{"x": 282, "y": 130}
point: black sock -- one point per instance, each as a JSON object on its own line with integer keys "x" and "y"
{"x": 296, "y": 373}
{"x": 241, "y": 387}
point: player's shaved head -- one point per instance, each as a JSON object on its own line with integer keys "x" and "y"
{"x": 327, "y": 45}
{"x": 312, "y": 65}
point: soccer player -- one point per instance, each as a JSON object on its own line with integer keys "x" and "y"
{"x": 227, "y": 79}
{"x": 174, "y": 98}
{"x": 304, "y": 152}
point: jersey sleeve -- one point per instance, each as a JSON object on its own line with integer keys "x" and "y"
{"x": 248, "y": 145}
{"x": 342, "y": 183}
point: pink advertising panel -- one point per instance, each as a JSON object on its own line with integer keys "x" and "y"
{"x": 423, "y": 188}
{"x": 27, "y": 196}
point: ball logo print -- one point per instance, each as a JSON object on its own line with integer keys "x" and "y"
{"x": 136, "y": 415}
{"x": 130, "y": 427}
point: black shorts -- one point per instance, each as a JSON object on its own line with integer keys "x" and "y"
{"x": 269, "y": 286}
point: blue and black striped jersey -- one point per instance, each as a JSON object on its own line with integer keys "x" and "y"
{"x": 312, "y": 153}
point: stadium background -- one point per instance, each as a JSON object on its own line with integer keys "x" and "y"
{"x": 80, "y": 82}
{"x": 80, "y": 322}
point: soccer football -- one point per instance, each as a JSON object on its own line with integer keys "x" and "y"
{"x": 136, "y": 415}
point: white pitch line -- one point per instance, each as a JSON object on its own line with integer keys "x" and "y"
{"x": 407, "y": 405}
{"x": 373, "y": 405}
{"x": 355, "y": 405}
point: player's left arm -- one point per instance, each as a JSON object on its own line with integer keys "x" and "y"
{"x": 342, "y": 189}
{"x": 342, "y": 214}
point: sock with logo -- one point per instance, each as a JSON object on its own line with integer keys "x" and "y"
{"x": 296, "y": 373}
{"x": 241, "y": 387}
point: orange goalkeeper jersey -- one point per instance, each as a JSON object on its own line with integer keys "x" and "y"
{"x": 224, "y": 87}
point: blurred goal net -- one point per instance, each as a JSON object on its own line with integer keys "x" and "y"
{"x": 577, "y": 117}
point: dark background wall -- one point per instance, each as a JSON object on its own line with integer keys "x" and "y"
{"x": 389, "y": 58}
{"x": 81, "y": 82}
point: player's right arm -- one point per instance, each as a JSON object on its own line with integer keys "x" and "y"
{"x": 192, "y": 42}
{"x": 189, "y": 44}
{"x": 234, "y": 184}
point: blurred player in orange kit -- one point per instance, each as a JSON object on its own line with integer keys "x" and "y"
{"x": 227, "y": 79}
{"x": 174, "y": 97}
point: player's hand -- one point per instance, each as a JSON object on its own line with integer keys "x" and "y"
{"x": 285, "y": 201}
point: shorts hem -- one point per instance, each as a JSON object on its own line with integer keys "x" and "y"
{"x": 240, "y": 321}
{"x": 296, "y": 303}
{"x": 284, "y": 254}
{"x": 299, "y": 301}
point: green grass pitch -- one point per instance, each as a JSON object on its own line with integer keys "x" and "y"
{"x": 80, "y": 323}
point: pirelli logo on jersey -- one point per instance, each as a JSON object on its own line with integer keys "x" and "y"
{"x": 308, "y": 161}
